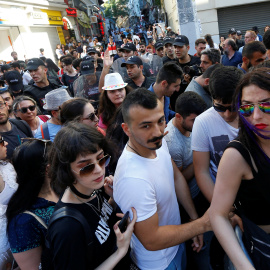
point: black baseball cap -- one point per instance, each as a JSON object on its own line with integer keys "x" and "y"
{"x": 158, "y": 45}
{"x": 128, "y": 47}
{"x": 87, "y": 67}
{"x": 132, "y": 60}
{"x": 87, "y": 57}
{"x": 181, "y": 41}
{"x": 5, "y": 67}
{"x": 91, "y": 50}
{"x": 232, "y": 31}
{"x": 34, "y": 63}
{"x": 255, "y": 29}
{"x": 168, "y": 40}
{"x": 239, "y": 33}
{"x": 14, "y": 80}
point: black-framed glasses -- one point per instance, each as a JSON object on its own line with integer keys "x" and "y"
{"x": 2, "y": 105}
{"x": 88, "y": 169}
{"x": 220, "y": 108}
{"x": 91, "y": 116}
{"x": 246, "y": 110}
{"x": 2, "y": 141}
{"x": 36, "y": 139}
{"x": 25, "y": 109}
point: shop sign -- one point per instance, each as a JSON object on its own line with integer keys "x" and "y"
{"x": 72, "y": 12}
{"x": 54, "y": 17}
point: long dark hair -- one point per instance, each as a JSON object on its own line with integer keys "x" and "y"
{"x": 106, "y": 107}
{"x": 209, "y": 40}
{"x": 247, "y": 132}
{"x": 29, "y": 161}
{"x": 72, "y": 140}
{"x": 51, "y": 65}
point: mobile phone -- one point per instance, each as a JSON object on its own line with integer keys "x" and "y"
{"x": 124, "y": 222}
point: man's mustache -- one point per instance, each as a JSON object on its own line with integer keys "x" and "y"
{"x": 153, "y": 140}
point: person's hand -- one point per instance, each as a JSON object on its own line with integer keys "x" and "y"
{"x": 107, "y": 60}
{"x": 123, "y": 239}
{"x": 187, "y": 78}
{"x": 108, "y": 185}
{"x": 197, "y": 243}
{"x": 236, "y": 220}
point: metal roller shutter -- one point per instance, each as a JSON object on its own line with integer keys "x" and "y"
{"x": 244, "y": 17}
{"x": 42, "y": 37}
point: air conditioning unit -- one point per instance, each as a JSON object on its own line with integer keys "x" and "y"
{"x": 93, "y": 19}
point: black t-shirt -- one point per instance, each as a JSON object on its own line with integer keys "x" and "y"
{"x": 194, "y": 60}
{"x": 68, "y": 81}
{"x": 13, "y": 138}
{"x": 147, "y": 82}
{"x": 166, "y": 59}
{"x": 68, "y": 241}
{"x": 79, "y": 49}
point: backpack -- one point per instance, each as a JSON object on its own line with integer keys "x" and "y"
{"x": 46, "y": 258}
{"x": 45, "y": 131}
{"x": 22, "y": 126}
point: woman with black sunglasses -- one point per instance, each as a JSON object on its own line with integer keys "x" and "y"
{"x": 30, "y": 208}
{"x": 8, "y": 186}
{"x": 244, "y": 170}
{"x": 25, "y": 108}
{"x": 81, "y": 110}
{"x": 78, "y": 159}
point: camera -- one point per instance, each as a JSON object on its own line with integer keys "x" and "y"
{"x": 192, "y": 71}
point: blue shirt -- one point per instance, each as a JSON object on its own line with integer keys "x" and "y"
{"x": 234, "y": 61}
{"x": 239, "y": 66}
{"x": 53, "y": 129}
{"x": 169, "y": 114}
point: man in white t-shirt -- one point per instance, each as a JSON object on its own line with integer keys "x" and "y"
{"x": 147, "y": 179}
{"x": 215, "y": 128}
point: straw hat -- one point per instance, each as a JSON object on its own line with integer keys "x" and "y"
{"x": 113, "y": 81}
{"x": 56, "y": 98}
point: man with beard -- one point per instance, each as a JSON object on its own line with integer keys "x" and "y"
{"x": 14, "y": 55}
{"x": 134, "y": 67}
{"x": 254, "y": 53}
{"x": 231, "y": 56}
{"x": 147, "y": 179}
{"x": 200, "y": 45}
{"x": 8, "y": 98}
{"x": 168, "y": 81}
{"x": 200, "y": 85}
{"x": 41, "y": 85}
{"x": 12, "y": 130}
{"x": 209, "y": 57}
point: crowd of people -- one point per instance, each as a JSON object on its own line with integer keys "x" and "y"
{"x": 135, "y": 126}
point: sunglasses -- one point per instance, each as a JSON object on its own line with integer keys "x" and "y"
{"x": 25, "y": 109}
{"x": 246, "y": 110}
{"x": 220, "y": 108}
{"x": 88, "y": 169}
{"x": 2, "y": 141}
{"x": 36, "y": 139}
{"x": 91, "y": 116}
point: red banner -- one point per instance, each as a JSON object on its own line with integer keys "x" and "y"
{"x": 72, "y": 12}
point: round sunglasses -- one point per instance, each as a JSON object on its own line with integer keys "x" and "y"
{"x": 88, "y": 169}
{"x": 25, "y": 109}
{"x": 246, "y": 110}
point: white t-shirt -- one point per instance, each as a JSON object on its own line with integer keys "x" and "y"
{"x": 148, "y": 186}
{"x": 149, "y": 34}
{"x": 211, "y": 133}
{"x": 180, "y": 149}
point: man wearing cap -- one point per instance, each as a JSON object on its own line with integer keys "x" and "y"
{"x": 14, "y": 80}
{"x": 168, "y": 50}
{"x": 159, "y": 48}
{"x": 6, "y": 68}
{"x": 181, "y": 45}
{"x": 231, "y": 56}
{"x": 91, "y": 51}
{"x": 54, "y": 101}
{"x": 134, "y": 67}
{"x": 128, "y": 50}
{"x": 256, "y": 30}
{"x": 232, "y": 34}
{"x": 239, "y": 41}
{"x": 86, "y": 85}
{"x": 40, "y": 85}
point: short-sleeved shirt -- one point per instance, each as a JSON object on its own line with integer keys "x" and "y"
{"x": 211, "y": 133}
{"x": 53, "y": 130}
{"x": 180, "y": 149}
{"x": 25, "y": 232}
{"x": 147, "y": 82}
